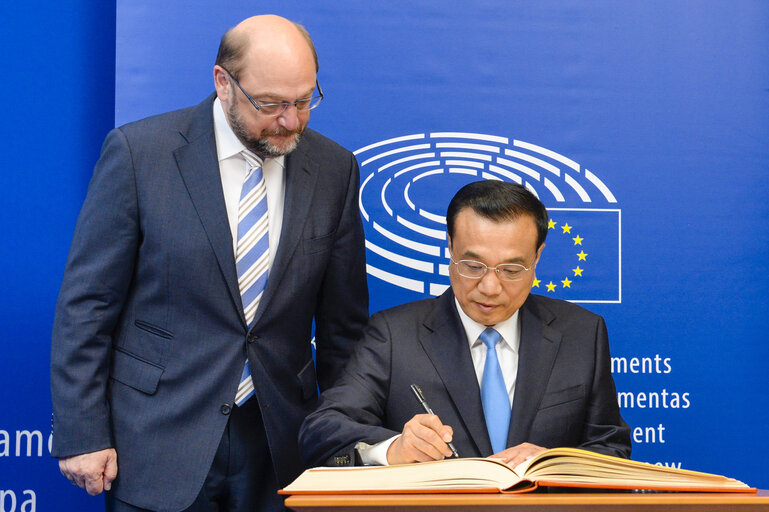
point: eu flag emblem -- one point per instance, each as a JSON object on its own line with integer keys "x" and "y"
{"x": 581, "y": 259}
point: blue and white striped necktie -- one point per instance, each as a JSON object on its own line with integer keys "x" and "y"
{"x": 496, "y": 403}
{"x": 252, "y": 255}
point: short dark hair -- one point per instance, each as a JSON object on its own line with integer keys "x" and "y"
{"x": 233, "y": 48}
{"x": 498, "y": 201}
{"x": 232, "y": 51}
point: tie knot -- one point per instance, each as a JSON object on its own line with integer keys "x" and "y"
{"x": 251, "y": 159}
{"x": 490, "y": 337}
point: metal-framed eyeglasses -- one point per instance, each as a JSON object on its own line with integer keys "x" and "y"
{"x": 505, "y": 271}
{"x": 275, "y": 109}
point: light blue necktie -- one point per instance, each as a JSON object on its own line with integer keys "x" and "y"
{"x": 252, "y": 255}
{"x": 496, "y": 404}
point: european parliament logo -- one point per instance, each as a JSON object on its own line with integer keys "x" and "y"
{"x": 407, "y": 183}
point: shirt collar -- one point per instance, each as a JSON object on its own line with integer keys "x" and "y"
{"x": 227, "y": 143}
{"x": 510, "y": 329}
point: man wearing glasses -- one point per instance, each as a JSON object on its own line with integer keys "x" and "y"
{"x": 210, "y": 240}
{"x": 506, "y": 373}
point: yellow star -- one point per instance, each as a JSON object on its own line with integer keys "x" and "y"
{"x": 550, "y": 286}
{"x": 566, "y": 228}
{"x": 551, "y": 224}
{"x": 578, "y": 240}
{"x": 536, "y": 282}
{"x": 566, "y": 283}
{"x": 582, "y": 255}
{"x": 577, "y": 271}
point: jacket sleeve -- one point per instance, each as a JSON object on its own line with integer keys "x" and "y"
{"x": 605, "y": 431}
{"x": 96, "y": 280}
{"x": 342, "y": 309}
{"x": 353, "y": 410}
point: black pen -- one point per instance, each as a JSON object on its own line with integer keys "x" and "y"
{"x": 418, "y": 393}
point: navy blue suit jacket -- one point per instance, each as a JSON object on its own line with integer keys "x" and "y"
{"x": 564, "y": 393}
{"x": 150, "y": 339}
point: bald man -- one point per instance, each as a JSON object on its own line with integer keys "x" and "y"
{"x": 209, "y": 241}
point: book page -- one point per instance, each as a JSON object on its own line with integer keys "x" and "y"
{"x": 468, "y": 473}
{"x": 580, "y": 466}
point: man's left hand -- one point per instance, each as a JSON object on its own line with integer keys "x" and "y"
{"x": 517, "y": 454}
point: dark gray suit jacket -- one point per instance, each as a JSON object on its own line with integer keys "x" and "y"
{"x": 150, "y": 339}
{"x": 564, "y": 395}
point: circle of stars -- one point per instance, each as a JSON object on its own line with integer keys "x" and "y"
{"x": 581, "y": 256}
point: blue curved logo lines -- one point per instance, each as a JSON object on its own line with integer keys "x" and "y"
{"x": 407, "y": 183}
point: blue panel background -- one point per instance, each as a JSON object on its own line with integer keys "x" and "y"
{"x": 58, "y": 106}
{"x": 666, "y": 101}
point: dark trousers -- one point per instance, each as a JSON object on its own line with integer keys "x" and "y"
{"x": 241, "y": 478}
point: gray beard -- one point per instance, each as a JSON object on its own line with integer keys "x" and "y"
{"x": 260, "y": 146}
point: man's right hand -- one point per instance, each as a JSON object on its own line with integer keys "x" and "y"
{"x": 93, "y": 471}
{"x": 424, "y": 438}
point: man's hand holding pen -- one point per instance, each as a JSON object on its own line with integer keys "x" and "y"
{"x": 424, "y": 438}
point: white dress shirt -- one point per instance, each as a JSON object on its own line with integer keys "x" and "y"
{"x": 233, "y": 170}
{"x": 507, "y": 355}
{"x": 507, "y": 347}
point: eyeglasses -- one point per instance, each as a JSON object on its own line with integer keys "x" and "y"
{"x": 476, "y": 270}
{"x": 275, "y": 109}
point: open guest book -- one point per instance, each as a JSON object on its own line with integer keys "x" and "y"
{"x": 557, "y": 467}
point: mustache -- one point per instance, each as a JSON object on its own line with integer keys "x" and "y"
{"x": 281, "y": 132}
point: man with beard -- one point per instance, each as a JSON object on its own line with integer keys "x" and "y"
{"x": 210, "y": 239}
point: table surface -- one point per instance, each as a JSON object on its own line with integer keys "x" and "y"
{"x": 561, "y": 502}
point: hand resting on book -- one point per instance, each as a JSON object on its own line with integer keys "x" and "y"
{"x": 518, "y": 454}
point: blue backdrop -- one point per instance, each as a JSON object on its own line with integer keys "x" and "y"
{"x": 641, "y": 125}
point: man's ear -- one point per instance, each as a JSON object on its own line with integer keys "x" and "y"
{"x": 539, "y": 253}
{"x": 222, "y": 83}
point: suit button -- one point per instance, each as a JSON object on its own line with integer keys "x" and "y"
{"x": 226, "y": 409}
{"x": 252, "y": 337}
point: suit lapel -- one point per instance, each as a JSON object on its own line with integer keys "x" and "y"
{"x": 537, "y": 352}
{"x": 301, "y": 177}
{"x": 199, "y": 168}
{"x": 443, "y": 339}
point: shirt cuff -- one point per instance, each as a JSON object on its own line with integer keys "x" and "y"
{"x": 376, "y": 454}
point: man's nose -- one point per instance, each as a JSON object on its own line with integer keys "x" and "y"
{"x": 289, "y": 118}
{"x": 489, "y": 284}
